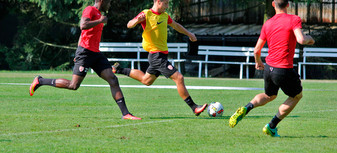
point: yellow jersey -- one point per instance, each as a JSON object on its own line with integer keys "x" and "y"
{"x": 155, "y": 31}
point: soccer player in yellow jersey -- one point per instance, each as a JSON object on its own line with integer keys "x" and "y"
{"x": 154, "y": 22}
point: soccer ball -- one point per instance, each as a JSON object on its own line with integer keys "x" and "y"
{"x": 215, "y": 109}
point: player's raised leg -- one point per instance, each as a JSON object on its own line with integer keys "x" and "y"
{"x": 144, "y": 78}
{"x": 178, "y": 78}
{"x": 39, "y": 81}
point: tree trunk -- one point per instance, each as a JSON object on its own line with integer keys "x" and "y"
{"x": 269, "y": 11}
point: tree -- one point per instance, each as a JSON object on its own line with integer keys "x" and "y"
{"x": 47, "y": 30}
{"x": 25, "y": 52}
{"x": 269, "y": 11}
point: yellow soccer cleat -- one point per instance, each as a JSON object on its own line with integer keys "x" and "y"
{"x": 237, "y": 116}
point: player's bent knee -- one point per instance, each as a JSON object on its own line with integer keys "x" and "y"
{"x": 178, "y": 77}
{"x": 114, "y": 78}
{"x": 269, "y": 98}
{"x": 74, "y": 87}
{"x": 147, "y": 83}
{"x": 113, "y": 81}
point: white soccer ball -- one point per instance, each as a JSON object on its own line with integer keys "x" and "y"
{"x": 215, "y": 109}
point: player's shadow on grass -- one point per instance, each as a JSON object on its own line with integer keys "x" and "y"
{"x": 5, "y": 140}
{"x": 312, "y": 136}
{"x": 191, "y": 117}
{"x": 268, "y": 116}
{"x": 213, "y": 118}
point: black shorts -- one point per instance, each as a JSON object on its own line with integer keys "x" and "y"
{"x": 85, "y": 59}
{"x": 160, "y": 65}
{"x": 286, "y": 79}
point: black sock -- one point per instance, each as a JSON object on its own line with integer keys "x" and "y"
{"x": 191, "y": 103}
{"x": 122, "y": 106}
{"x": 273, "y": 123}
{"x": 125, "y": 71}
{"x": 249, "y": 107}
{"x": 50, "y": 82}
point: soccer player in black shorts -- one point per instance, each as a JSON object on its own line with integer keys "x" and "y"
{"x": 281, "y": 32}
{"x": 88, "y": 56}
{"x": 154, "y": 22}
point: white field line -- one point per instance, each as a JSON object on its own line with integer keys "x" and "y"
{"x": 157, "y": 86}
{"x": 173, "y": 87}
{"x": 80, "y": 128}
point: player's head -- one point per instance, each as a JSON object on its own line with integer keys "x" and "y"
{"x": 162, "y": 5}
{"x": 281, "y": 4}
{"x": 105, "y": 4}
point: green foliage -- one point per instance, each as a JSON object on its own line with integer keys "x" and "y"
{"x": 56, "y": 22}
{"x": 27, "y": 53}
{"x": 3, "y": 62}
{"x": 63, "y": 67}
{"x": 60, "y": 10}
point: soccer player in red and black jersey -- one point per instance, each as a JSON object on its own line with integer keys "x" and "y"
{"x": 88, "y": 56}
{"x": 281, "y": 32}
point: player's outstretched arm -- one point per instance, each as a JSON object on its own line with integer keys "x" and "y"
{"x": 176, "y": 26}
{"x": 138, "y": 19}
{"x": 303, "y": 39}
{"x": 257, "y": 54}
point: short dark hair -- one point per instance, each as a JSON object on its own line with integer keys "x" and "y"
{"x": 281, "y": 3}
{"x": 156, "y": 0}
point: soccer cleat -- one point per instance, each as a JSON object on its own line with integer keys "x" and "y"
{"x": 200, "y": 109}
{"x": 34, "y": 85}
{"x": 130, "y": 117}
{"x": 269, "y": 131}
{"x": 115, "y": 67}
{"x": 237, "y": 116}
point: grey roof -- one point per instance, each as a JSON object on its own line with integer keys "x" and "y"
{"x": 243, "y": 29}
{"x": 217, "y": 29}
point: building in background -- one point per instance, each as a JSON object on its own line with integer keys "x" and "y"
{"x": 239, "y": 22}
{"x": 231, "y": 20}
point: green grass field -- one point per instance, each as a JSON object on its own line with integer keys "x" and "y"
{"x": 49, "y": 120}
